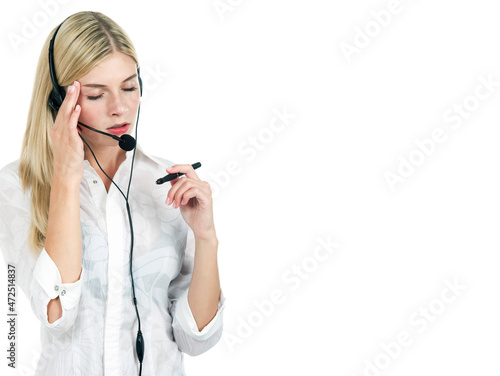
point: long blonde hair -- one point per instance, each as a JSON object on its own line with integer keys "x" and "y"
{"x": 83, "y": 41}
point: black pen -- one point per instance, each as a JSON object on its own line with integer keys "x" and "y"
{"x": 175, "y": 175}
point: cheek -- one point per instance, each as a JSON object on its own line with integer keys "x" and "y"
{"x": 89, "y": 114}
{"x": 134, "y": 102}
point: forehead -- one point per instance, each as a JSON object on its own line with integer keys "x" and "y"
{"x": 112, "y": 70}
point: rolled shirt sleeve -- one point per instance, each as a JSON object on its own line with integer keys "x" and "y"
{"x": 47, "y": 285}
{"x": 36, "y": 275}
{"x": 187, "y": 336}
{"x": 188, "y": 323}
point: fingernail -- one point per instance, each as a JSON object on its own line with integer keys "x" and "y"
{"x": 71, "y": 89}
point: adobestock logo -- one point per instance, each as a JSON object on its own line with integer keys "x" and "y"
{"x": 223, "y": 6}
{"x": 250, "y": 148}
{"x": 30, "y": 27}
{"x": 454, "y": 116}
{"x": 381, "y": 19}
{"x": 152, "y": 78}
{"x": 292, "y": 279}
{"x": 421, "y": 319}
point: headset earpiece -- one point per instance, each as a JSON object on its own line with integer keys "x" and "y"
{"x": 56, "y": 99}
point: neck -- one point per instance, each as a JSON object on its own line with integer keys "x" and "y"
{"x": 110, "y": 158}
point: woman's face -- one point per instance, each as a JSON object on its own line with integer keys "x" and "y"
{"x": 109, "y": 96}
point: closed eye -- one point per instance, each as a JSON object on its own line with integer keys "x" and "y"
{"x": 100, "y": 96}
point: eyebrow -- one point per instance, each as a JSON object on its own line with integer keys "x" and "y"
{"x": 99, "y": 85}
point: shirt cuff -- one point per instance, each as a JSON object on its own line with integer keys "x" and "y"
{"x": 188, "y": 323}
{"x": 48, "y": 276}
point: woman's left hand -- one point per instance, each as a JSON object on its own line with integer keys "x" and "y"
{"x": 194, "y": 197}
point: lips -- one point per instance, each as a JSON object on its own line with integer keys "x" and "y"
{"x": 118, "y": 126}
{"x": 119, "y": 129}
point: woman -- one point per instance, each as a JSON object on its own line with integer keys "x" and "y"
{"x": 65, "y": 228}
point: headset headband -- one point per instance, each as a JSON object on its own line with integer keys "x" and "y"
{"x": 58, "y": 94}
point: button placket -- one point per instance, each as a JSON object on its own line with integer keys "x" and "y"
{"x": 96, "y": 191}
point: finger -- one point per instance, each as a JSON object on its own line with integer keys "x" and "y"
{"x": 172, "y": 182}
{"x": 189, "y": 186}
{"x": 186, "y": 169}
{"x": 74, "y": 117}
{"x": 69, "y": 102}
{"x": 189, "y": 194}
{"x": 173, "y": 191}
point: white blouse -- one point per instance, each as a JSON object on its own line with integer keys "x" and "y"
{"x": 96, "y": 334}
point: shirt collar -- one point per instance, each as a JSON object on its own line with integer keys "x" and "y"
{"x": 128, "y": 157}
{"x": 141, "y": 151}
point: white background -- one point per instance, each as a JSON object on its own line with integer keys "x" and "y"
{"x": 223, "y": 76}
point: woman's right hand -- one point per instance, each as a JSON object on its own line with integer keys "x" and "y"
{"x": 67, "y": 147}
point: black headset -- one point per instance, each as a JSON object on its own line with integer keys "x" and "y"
{"x": 57, "y": 95}
{"x": 127, "y": 143}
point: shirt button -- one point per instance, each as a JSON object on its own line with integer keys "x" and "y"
{"x": 56, "y": 288}
{"x": 95, "y": 181}
{"x": 63, "y": 292}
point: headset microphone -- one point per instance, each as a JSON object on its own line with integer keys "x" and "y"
{"x": 126, "y": 141}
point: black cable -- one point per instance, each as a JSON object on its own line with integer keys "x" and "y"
{"x": 55, "y": 101}
{"x": 140, "y": 340}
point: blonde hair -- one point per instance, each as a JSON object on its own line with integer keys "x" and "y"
{"x": 83, "y": 41}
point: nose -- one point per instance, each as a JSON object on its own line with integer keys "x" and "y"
{"x": 117, "y": 106}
